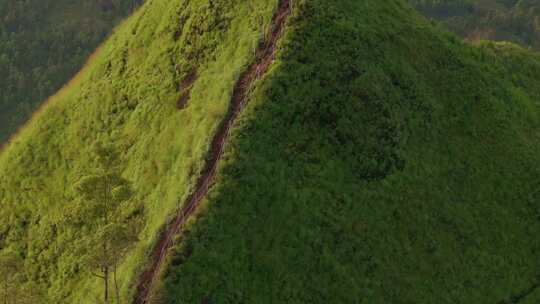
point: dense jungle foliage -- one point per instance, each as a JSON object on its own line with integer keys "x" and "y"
{"x": 513, "y": 20}
{"x": 42, "y": 44}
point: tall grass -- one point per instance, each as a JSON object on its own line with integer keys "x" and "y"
{"x": 126, "y": 94}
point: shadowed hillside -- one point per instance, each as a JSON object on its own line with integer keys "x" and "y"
{"x": 380, "y": 161}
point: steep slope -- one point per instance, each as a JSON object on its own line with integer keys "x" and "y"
{"x": 508, "y": 20}
{"x": 264, "y": 57}
{"x": 158, "y": 90}
{"x": 43, "y": 43}
{"x": 380, "y": 161}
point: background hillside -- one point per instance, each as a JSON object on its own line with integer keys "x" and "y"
{"x": 42, "y": 44}
{"x": 512, "y": 20}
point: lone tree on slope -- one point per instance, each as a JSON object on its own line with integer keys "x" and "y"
{"x": 104, "y": 196}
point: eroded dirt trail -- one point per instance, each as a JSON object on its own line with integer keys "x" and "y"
{"x": 264, "y": 57}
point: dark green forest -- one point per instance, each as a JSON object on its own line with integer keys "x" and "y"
{"x": 43, "y": 43}
{"x": 511, "y": 20}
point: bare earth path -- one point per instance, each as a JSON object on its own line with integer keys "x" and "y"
{"x": 264, "y": 57}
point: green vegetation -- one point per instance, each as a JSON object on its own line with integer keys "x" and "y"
{"x": 42, "y": 44}
{"x": 381, "y": 160}
{"x": 104, "y": 201}
{"x": 12, "y": 275}
{"x": 511, "y": 20}
{"x": 127, "y": 95}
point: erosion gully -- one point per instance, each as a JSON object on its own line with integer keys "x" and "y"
{"x": 265, "y": 55}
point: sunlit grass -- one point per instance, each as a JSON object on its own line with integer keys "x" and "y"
{"x": 127, "y": 93}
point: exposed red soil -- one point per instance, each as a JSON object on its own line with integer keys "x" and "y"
{"x": 264, "y": 57}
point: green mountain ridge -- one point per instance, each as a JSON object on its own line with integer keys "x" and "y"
{"x": 379, "y": 160}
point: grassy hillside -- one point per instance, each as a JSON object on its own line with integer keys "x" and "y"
{"x": 509, "y": 20}
{"x": 42, "y": 44}
{"x": 381, "y": 161}
{"x": 127, "y": 95}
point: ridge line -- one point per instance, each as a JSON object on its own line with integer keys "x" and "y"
{"x": 265, "y": 56}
